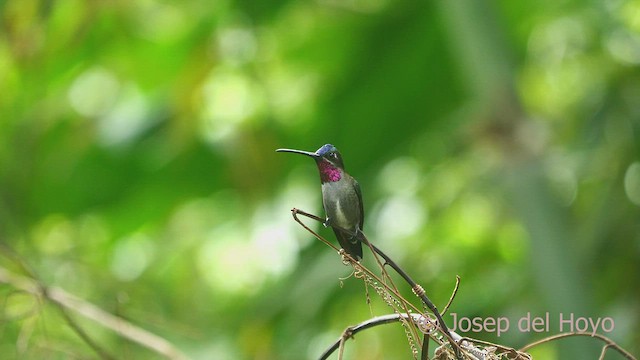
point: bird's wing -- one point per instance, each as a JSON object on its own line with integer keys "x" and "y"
{"x": 359, "y": 194}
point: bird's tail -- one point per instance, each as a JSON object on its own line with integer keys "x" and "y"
{"x": 350, "y": 243}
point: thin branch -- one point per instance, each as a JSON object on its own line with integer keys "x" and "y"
{"x": 504, "y": 349}
{"x": 346, "y": 335}
{"x": 348, "y": 257}
{"x": 456, "y": 341}
{"x": 83, "y": 334}
{"x": 453, "y": 295}
{"x": 295, "y": 213}
{"x": 90, "y": 311}
{"x": 417, "y": 289}
{"x": 353, "y": 330}
{"x": 603, "y": 352}
{"x": 424, "y": 354}
{"x": 357, "y": 266}
{"x": 410, "y": 323}
{"x": 609, "y": 342}
{"x": 9, "y": 253}
{"x": 387, "y": 319}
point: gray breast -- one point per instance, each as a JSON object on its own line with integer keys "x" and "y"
{"x": 341, "y": 204}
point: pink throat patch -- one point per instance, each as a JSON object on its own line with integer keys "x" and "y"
{"x": 329, "y": 173}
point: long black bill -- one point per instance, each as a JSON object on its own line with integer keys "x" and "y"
{"x": 308, "y": 153}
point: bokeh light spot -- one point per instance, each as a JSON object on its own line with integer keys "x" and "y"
{"x": 131, "y": 256}
{"x": 237, "y": 45}
{"x": 400, "y": 176}
{"x": 399, "y": 216}
{"x": 230, "y": 98}
{"x": 94, "y": 92}
{"x": 126, "y": 119}
{"x": 226, "y": 261}
{"x": 54, "y": 235}
{"x": 563, "y": 180}
{"x": 632, "y": 183}
{"x": 624, "y": 46}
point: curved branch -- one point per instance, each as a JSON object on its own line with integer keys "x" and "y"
{"x": 391, "y": 318}
{"x": 453, "y": 295}
{"x": 610, "y": 343}
{"x": 455, "y": 340}
{"x": 351, "y": 331}
{"x": 91, "y": 311}
{"x": 417, "y": 289}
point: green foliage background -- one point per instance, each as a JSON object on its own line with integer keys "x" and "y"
{"x": 495, "y": 140}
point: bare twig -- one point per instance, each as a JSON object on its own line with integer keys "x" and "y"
{"x": 458, "y": 343}
{"x": 349, "y": 258}
{"x": 83, "y": 334}
{"x": 357, "y": 266}
{"x": 352, "y": 330}
{"x": 603, "y": 352}
{"x": 417, "y": 289}
{"x": 424, "y": 352}
{"x": 387, "y": 319}
{"x": 425, "y": 343}
{"x": 10, "y": 254}
{"x": 346, "y": 335}
{"x": 295, "y": 213}
{"x": 411, "y": 325}
{"x": 90, "y": 311}
{"x": 453, "y": 295}
{"x": 505, "y": 349}
{"x": 419, "y": 292}
{"x": 610, "y": 343}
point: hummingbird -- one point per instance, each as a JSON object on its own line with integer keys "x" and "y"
{"x": 341, "y": 198}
